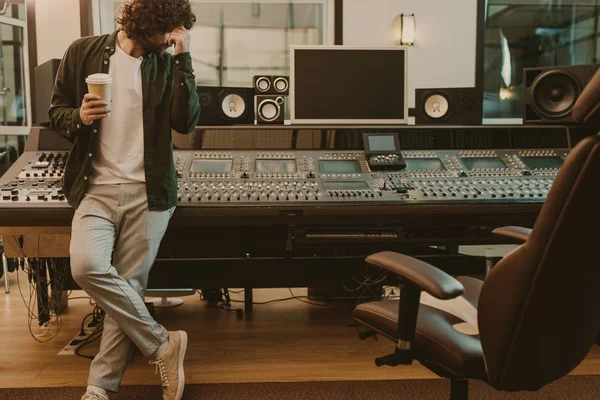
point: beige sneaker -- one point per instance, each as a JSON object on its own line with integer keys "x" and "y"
{"x": 170, "y": 366}
{"x": 94, "y": 396}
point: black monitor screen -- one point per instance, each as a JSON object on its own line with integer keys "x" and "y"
{"x": 346, "y": 84}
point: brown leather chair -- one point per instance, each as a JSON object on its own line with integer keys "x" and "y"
{"x": 533, "y": 319}
{"x": 587, "y": 107}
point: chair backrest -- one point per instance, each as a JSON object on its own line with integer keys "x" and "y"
{"x": 539, "y": 308}
{"x": 587, "y": 106}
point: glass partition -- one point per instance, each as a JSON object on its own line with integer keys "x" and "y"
{"x": 15, "y": 112}
{"x": 234, "y": 40}
{"x": 533, "y": 33}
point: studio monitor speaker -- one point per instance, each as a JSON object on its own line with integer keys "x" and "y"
{"x": 270, "y": 109}
{"x": 44, "y": 76}
{"x": 226, "y": 105}
{"x": 267, "y": 84}
{"x": 452, "y": 106}
{"x": 549, "y": 93}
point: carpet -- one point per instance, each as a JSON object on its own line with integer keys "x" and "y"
{"x": 570, "y": 387}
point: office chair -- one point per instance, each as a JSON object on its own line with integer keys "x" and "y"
{"x": 587, "y": 107}
{"x": 533, "y": 319}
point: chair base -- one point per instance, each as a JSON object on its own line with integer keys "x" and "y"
{"x": 459, "y": 389}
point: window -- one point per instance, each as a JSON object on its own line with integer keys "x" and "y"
{"x": 534, "y": 33}
{"x": 234, "y": 40}
{"x": 15, "y": 113}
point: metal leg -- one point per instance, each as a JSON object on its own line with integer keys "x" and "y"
{"x": 248, "y": 300}
{"x": 5, "y": 268}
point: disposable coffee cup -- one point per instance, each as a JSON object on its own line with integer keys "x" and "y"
{"x": 100, "y": 85}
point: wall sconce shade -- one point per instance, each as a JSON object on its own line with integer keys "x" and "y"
{"x": 403, "y": 29}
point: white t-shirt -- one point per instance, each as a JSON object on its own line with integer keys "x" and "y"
{"x": 119, "y": 154}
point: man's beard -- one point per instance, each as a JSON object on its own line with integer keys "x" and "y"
{"x": 152, "y": 48}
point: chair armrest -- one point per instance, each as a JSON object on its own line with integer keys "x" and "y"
{"x": 427, "y": 277}
{"x": 514, "y": 232}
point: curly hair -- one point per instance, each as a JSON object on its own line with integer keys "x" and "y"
{"x": 143, "y": 18}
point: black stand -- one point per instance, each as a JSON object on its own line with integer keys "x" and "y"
{"x": 248, "y": 300}
{"x": 459, "y": 389}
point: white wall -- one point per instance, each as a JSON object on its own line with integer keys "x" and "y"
{"x": 443, "y": 56}
{"x": 445, "y": 40}
{"x": 57, "y": 26}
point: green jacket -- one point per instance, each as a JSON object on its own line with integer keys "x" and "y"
{"x": 170, "y": 102}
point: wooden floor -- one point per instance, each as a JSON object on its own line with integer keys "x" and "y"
{"x": 286, "y": 341}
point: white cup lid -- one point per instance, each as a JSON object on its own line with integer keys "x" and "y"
{"x": 98, "y": 79}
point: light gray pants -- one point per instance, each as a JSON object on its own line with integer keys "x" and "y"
{"x": 114, "y": 242}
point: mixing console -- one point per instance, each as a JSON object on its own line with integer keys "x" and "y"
{"x": 323, "y": 177}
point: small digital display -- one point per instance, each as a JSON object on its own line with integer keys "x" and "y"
{"x": 339, "y": 166}
{"x": 483, "y": 163}
{"x": 275, "y": 165}
{"x": 424, "y": 164}
{"x": 212, "y": 165}
{"x": 354, "y": 185}
{"x": 542, "y": 162}
{"x": 381, "y": 143}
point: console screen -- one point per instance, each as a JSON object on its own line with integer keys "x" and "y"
{"x": 483, "y": 163}
{"x": 339, "y": 166}
{"x": 275, "y": 165}
{"x": 212, "y": 165}
{"x": 542, "y": 162}
{"x": 382, "y": 143}
{"x": 424, "y": 164}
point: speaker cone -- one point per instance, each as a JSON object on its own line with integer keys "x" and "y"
{"x": 205, "y": 99}
{"x": 436, "y": 106}
{"x": 263, "y": 84}
{"x": 554, "y": 94}
{"x": 233, "y": 106}
{"x": 269, "y": 110}
{"x": 281, "y": 84}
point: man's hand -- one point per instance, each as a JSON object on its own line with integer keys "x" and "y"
{"x": 181, "y": 38}
{"x": 92, "y": 109}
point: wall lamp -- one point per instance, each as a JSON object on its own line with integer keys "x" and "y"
{"x": 403, "y": 29}
{"x": 4, "y": 4}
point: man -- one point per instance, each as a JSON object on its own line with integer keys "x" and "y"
{"x": 121, "y": 180}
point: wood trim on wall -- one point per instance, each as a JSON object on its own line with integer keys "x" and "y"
{"x": 480, "y": 44}
{"x": 339, "y": 22}
{"x": 85, "y": 12}
{"x": 32, "y": 49}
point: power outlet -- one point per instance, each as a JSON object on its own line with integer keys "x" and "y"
{"x": 88, "y": 330}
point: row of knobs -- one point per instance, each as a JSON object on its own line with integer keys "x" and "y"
{"x": 352, "y": 193}
{"x": 51, "y": 174}
{"x": 249, "y": 196}
{"x": 252, "y": 185}
{"x": 14, "y": 196}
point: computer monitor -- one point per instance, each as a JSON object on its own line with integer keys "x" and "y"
{"x": 348, "y": 85}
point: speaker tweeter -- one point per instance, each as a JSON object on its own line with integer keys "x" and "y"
{"x": 271, "y": 84}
